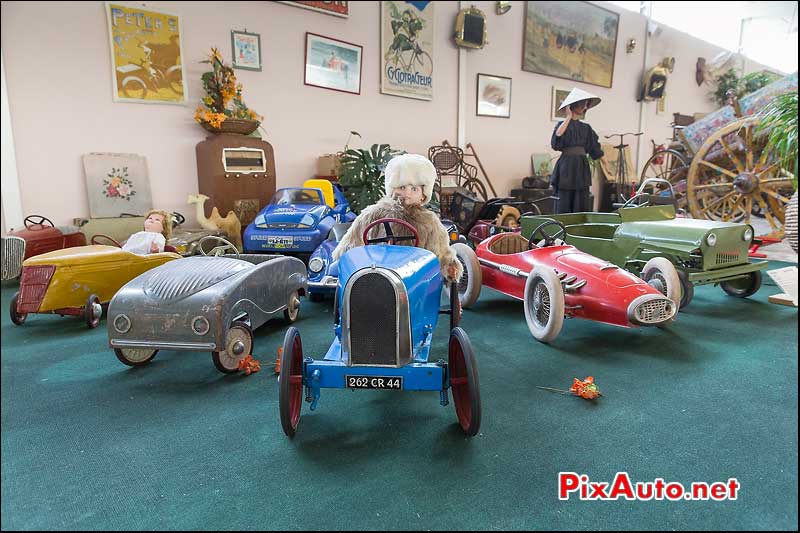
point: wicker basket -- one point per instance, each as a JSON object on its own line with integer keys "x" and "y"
{"x": 233, "y": 125}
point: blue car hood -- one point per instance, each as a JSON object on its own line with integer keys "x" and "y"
{"x": 292, "y": 214}
{"x": 407, "y": 261}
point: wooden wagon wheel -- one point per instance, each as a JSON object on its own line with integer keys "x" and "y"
{"x": 731, "y": 173}
{"x": 672, "y": 166}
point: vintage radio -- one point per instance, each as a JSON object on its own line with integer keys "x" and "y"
{"x": 232, "y": 168}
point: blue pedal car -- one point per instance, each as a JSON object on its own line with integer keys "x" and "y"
{"x": 323, "y": 271}
{"x": 297, "y": 219}
{"x": 387, "y": 308}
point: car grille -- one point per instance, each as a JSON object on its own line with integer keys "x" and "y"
{"x": 282, "y": 225}
{"x": 373, "y": 321}
{"x": 13, "y": 254}
{"x": 724, "y": 258}
{"x": 651, "y": 310}
{"x": 32, "y": 287}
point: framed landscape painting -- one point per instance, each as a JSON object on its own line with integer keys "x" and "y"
{"x": 571, "y": 40}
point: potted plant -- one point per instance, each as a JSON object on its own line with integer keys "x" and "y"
{"x": 222, "y": 109}
{"x": 361, "y": 171}
{"x": 743, "y": 86}
{"x": 779, "y": 121}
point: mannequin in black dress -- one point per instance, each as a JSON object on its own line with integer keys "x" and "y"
{"x": 572, "y": 177}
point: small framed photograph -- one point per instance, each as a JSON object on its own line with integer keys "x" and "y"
{"x": 493, "y": 96}
{"x": 246, "y": 50}
{"x": 558, "y": 97}
{"x": 333, "y": 64}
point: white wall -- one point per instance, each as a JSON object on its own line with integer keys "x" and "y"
{"x": 58, "y": 73}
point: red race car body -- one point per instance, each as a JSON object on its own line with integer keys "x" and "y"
{"x": 555, "y": 280}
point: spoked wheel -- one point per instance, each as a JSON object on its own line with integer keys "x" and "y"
{"x": 133, "y": 87}
{"x": 743, "y": 287}
{"x": 732, "y": 172}
{"x": 92, "y": 311}
{"x": 687, "y": 290}
{"x": 474, "y": 185}
{"x": 290, "y": 398}
{"x": 672, "y": 166}
{"x": 238, "y": 345}
{"x": 544, "y": 304}
{"x": 469, "y": 286}
{"x": 17, "y": 318}
{"x": 292, "y": 307}
{"x": 660, "y": 274}
{"x": 135, "y": 356}
{"x": 464, "y": 382}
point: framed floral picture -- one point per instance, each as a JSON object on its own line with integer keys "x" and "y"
{"x": 332, "y": 64}
{"x": 117, "y": 183}
{"x": 246, "y": 49}
{"x": 493, "y": 96}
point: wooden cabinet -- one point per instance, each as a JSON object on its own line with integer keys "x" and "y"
{"x": 235, "y": 167}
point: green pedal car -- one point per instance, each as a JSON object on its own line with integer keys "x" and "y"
{"x": 703, "y": 251}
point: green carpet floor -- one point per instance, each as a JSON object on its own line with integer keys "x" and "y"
{"x": 88, "y": 443}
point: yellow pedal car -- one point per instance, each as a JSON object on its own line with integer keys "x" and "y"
{"x": 77, "y": 281}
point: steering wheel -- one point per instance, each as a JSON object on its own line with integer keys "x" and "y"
{"x": 217, "y": 250}
{"x": 177, "y": 219}
{"x": 390, "y": 238}
{"x": 548, "y": 240}
{"x": 104, "y": 236}
{"x": 31, "y": 221}
{"x": 629, "y": 202}
{"x": 304, "y": 197}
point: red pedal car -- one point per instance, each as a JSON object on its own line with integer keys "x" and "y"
{"x": 42, "y": 236}
{"x": 555, "y": 280}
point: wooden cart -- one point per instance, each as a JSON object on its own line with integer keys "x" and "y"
{"x": 719, "y": 168}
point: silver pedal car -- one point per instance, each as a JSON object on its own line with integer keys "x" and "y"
{"x": 204, "y": 303}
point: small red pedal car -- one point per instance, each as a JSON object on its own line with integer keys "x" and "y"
{"x": 42, "y": 236}
{"x": 555, "y": 280}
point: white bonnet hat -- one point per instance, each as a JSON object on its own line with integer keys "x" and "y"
{"x": 410, "y": 169}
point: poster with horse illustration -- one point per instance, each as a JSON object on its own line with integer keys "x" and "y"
{"x": 145, "y": 55}
{"x": 571, "y": 40}
{"x": 407, "y": 49}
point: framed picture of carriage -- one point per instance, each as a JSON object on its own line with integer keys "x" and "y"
{"x": 571, "y": 40}
{"x": 333, "y": 64}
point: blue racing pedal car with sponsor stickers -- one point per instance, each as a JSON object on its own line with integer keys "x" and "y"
{"x": 298, "y": 219}
{"x": 386, "y": 310}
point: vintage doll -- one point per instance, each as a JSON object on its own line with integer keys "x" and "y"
{"x": 409, "y": 184}
{"x": 572, "y": 177}
{"x": 157, "y": 229}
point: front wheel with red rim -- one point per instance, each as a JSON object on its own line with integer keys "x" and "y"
{"x": 464, "y": 382}
{"x": 290, "y": 398}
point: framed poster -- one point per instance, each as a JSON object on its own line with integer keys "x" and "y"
{"x": 246, "y": 49}
{"x": 146, "y": 54}
{"x": 407, "y": 49}
{"x": 493, "y": 96}
{"x": 332, "y": 64}
{"x": 572, "y": 40}
{"x": 339, "y": 8}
